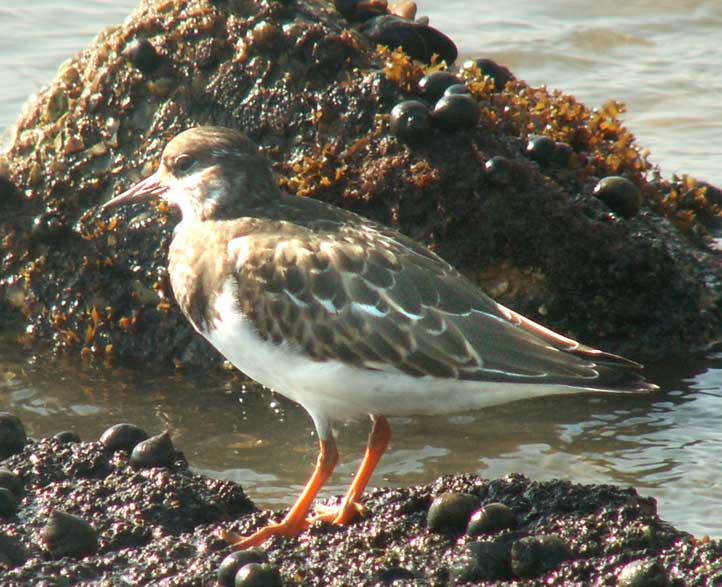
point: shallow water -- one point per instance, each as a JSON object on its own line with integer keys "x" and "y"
{"x": 661, "y": 58}
{"x": 667, "y": 445}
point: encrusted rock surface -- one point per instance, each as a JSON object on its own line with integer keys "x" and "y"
{"x": 316, "y": 94}
{"x": 158, "y": 526}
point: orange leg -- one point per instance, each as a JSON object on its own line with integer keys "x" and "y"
{"x": 295, "y": 519}
{"x": 351, "y": 506}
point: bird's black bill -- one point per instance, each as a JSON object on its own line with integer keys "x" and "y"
{"x": 150, "y": 187}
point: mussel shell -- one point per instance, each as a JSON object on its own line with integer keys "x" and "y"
{"x": 450, "y": 512}
{"x": 123, "y": 436}
{"x": 410, "y": 121}
{"x": 419, "y": 41}
{"x": 433, "y": 85}
{"x": 12, "y": 435}
{"x": 156, "y": 451}
{"x": 456, "y": 111}
{"x": 620, "y": 195}
{"x": 230, "y": 565}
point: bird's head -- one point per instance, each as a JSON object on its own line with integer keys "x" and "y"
{"x": 209, "y": 172}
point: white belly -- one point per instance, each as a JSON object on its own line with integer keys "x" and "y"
{"x": 331, "y": 390}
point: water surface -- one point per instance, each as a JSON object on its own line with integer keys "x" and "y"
{"x": 666, "y": 445}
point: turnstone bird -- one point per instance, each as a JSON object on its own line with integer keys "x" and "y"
{"x": 343, "y": 315}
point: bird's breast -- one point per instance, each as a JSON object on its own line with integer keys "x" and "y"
{"x": 198, "y": 267}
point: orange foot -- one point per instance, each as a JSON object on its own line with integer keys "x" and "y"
{"x": 347, "y": 512}
{"x": 340, "y": 515}
{"x": 350, "y": 508}
{"x": 283, "y": 528}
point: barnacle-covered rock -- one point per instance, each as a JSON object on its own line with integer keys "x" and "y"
{"x": 316, "y": 93}
{"x": 160, "y": 525}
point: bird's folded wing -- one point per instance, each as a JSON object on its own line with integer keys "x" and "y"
{"x": 397, "y": 306}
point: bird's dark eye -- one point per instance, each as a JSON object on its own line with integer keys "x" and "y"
{"x": 183, "y": 163}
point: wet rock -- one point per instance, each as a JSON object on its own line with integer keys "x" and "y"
{"x": 67, "y": 437}
{"x": 450, "y": 512}
{"x": 433, "y": 85}
{"x": 69, "y": 535}
{"x": 163, "y": 523}
{"x": 12, "y": 481}
{"x": 230, "y": 565}
{"x": 535, "y": 555}
{"x": 150, "y": 524}
{"x": 541, "y": 149}
{"x": 456, "y": 111}
{"x": 12, "y": 435}
{"x": 258, "y": 575}
{"x": 562, "y": 153}
{"x": 48, "y": 229}
{"x": 12, "y": 553}
{"x": 123, "y": 436}
{"x": 491, "y": 518}
{"x": 410, "y": 121}
{"x": 499, "y": 73}
{"x": 264, "y": 34}
{"x": 643, "y": 573}
{"x": 143, "y": 55}
{"x": 156, "y": 451}
{"x": 620, "y": 195}
{"x": 481, "y": 561}
{"x": 211, "y": 53}
{"x": 390, "y": 575}
{"x": 418, "y": 41}
{"x": 8, "y": 503}
{"x": 9, "y": 195}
